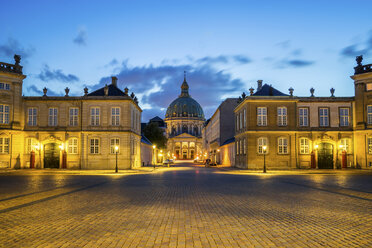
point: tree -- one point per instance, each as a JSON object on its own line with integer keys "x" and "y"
{"x": 156, "y": 135}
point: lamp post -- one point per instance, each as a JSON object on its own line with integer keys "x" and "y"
{"x": 153, "y": 155}
{"x": 264, "y": 153}
{"x": 116, "y": 156}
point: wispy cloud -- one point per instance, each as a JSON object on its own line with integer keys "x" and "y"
{"x": 224, "y": 59}
{"x": 81, "y": 38}
{"x": 361, "y": 48}
{"x": 158, "y": 86}
{"x": 12, "y": 46}
{"x": 47, "y": 75}
{"x": 296, "y": 63}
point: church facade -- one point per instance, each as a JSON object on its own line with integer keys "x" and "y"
{"x": 184, "y": 119}
{"x": 83, "y": 132}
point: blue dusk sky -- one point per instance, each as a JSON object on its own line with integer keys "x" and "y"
{"x": 225, "y": 47}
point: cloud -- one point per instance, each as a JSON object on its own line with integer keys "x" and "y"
{"x": 223, "y": 59}
{"x": 157, "y": 86}
{"x": 284, "y": 44}
{"x": 12, "y": 46}
{"x": 34, "y": 89}
{"x": 81, "y": 38}
{"x": 361, "y": 48}
{"x": 47, "y": 75}
{"x": 297, "y": 62}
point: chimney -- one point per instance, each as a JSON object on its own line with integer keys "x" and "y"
{"x": 114, "y": 81}
{"x": 259, "y": 85}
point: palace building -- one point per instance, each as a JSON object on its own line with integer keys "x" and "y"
{"x": 83, "y": 132}
{"x": 305, "y": 132}
{"x": 184, "y": 119}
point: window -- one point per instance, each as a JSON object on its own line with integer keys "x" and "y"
{"x": 344, "y": 117}
{"x": 244, "y": 146}
{"x": 237, "y": 147}
{"x": 94, "y": 146}
{"x": 4, "y": 86}
{"x": 244, "y": 119}
{"x": 282, "y": 145}
{"x": 261, "y": 143}
{"x": 115, "y": 116}
{"x": 30, "y": 145}
{"x": 73, "y": 146}
{"x": 304, "y": 146}
{"x": 240, "y": 120}
{"x": 4, "y": 114}
{"x": 369, "y": 114}
{"x": 345, "y": 145}
{"x": 114, "y": 142}
{"x": 323, "y": 117}
{"x": 94, "y": 116}
{"x": 4, "y": 145}
{"x": 74, "y": 115}
{"x": 32, "y": 115}
{"x": 303, "y": 114}
{"x": 261, "y": 116}
{"x": 237, "y": 121}
{"x": 241, "y": 147}
{"x": 52, "y": 121}
{"x": 369, "y": 145}
{"x": 282, "y": 116}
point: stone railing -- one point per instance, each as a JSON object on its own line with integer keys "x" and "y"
{"x": 10, "y": 68}
{"x": 363, "y": 69}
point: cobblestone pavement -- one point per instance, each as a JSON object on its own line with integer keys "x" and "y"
{"x": 186, "y": 207}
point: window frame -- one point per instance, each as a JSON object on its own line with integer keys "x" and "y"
{"x": 73, "y": 118}
{"x": 345, "y": 142}
{"x": 96, "y": 146}
{"x": 282, "y": 118}
{"x": 261, "y": 118}
{"x": 304, "y": 148}
{"x": 33, "y": 121}
{"x": 4, "y": 114}
{"x": 115, "y": 117}
{"x": 369, "y": 115}
{"x": 4, "y": 144}
{"x": 328, "y": 116}
{"x": 369, "y": 145}
{"x": 95, "y": 119}
{"x": 302, "y": 117}
{"x": 341, "y": 117}
{"x": 259, "y": 146}
{"x": 30, "y": 144}
{"x": 71, "y": 147}
{"x": 112, "y": 146}
{"x": 283, "y": 148}
{"x": 53, "y": 119}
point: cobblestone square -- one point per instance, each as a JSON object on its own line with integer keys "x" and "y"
{"x": 186, "y": 207}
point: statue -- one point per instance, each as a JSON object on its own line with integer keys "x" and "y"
{"x": 126, "y": 90}
{"x": 17, "y": 59}
{"x": 45, "y": 90}
{"x": 332, "y": 90}
{"x": 132, "y": 95}
{"x": 67, "y": 90}
{"x": 251, "y": 90}
{"x": 359, "y": 60}
{"x": 244, "y": 95}
{"x": 291, "y": 91}
{"x": 312, "y": 92}
{"x": 85, "y": 91}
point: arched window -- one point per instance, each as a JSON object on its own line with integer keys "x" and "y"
{"x": 196, "y": 133}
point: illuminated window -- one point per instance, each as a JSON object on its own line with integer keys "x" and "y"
{"x": 261, "y": 116}
{"x": 237, "y": 147}
{"x": 323, "y": 117}
{"x": 32, "y": 117}
{"x": 94, "y": 116}
{"x": 115, "y": 116}
{"x": 369, "y": 145}
{"x": 369, "y": 114}
{"x": 4, "y": 114}
{"x": 30, "y": 145}
{"x": 345, "y": 145}
{"x": 304, "y": 146}
{"x": 282, "y": 145}
{"x": 4, "y": 145}
{"x": 53, "y": 113}
{"x": 261, "y": 142}
{"x": 94, "y": 146}
{"x": 282, "y": 116}
{"x": 114, "y": 142}
{"x": 73, "y": 146}
{"x": 303, "y": 115}
{"x": 244, "y": 146}
{"x": 74, "y": 116}
{"x": 344, "y": 117}
{"x": 241, "y": 147}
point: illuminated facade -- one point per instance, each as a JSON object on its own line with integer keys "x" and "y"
{"x": 67, "y": 131}
{"x": 184, "y": 119}
{"x": 306, "y": 132}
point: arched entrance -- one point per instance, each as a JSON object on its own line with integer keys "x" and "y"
{"x": 325, "y": 156}
{"x": 51, "y": 155}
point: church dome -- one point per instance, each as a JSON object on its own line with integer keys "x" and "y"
{"x": 185, "y": 105}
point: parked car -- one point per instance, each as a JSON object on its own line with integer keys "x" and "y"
{"x": 168, "y": 162}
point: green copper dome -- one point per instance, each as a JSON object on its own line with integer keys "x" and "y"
{"x": 185, "y": 105}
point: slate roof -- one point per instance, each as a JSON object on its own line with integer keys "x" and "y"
{"x": 156, "y": 118}
{"x": 112, "y": 91}
{"x": 145, "y": 140}
{"x": 268, "y": 90}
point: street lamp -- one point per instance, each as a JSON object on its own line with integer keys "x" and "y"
{"x": 264, "y": 153}
{"x": 116, "y": 155}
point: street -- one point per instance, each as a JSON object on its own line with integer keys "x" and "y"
{"x": 186, "y": 206}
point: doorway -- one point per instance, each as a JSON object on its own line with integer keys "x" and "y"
{"x": 325, "y": 156}
{"x": 51, "y": 155}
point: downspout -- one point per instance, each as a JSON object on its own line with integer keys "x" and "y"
{"x": 82, "y": 135}
{"x": 11, "y": 151}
